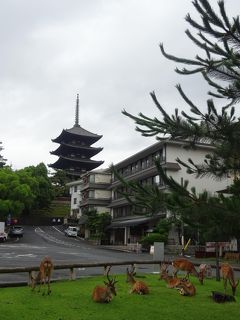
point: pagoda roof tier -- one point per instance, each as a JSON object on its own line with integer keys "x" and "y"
{"x": 66, "y": 148}
{"x": 80, "y": 165}
{"x": 78, "y": 133}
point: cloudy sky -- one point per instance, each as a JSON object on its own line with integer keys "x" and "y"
{"x": 105, "y": 50}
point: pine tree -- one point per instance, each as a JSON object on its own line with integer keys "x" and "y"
{"x": 219, "y": 40}
{"x": 221, "y": 63}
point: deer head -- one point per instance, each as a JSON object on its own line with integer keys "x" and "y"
{"x": 234, "y": 286}
{"x": 163, "y": 271}
{"x": 130, "y": 274}
{"x": 111, "y": 283}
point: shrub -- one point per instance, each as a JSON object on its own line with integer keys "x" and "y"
{"x": 149, "y": 240}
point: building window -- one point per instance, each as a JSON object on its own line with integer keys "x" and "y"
{"x": 75, "y": 188}
{"x": 143, "y": 163}
{"x": 91, "y": 194}
{"x": 74, "y": 200}
{"x": 92, "y": 178}
{"x": 156, "y": 180}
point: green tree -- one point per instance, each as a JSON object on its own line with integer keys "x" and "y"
{"x": 24, "y": 190}
{"x": 97, "y": 223}
{"x": 38, "y": 180}
{"x": 59, "y": 179}
{"x": 218, "y": 38}
{"x": 14, "y": 195}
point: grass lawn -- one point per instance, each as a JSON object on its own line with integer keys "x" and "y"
{"x": 71, "y": 300}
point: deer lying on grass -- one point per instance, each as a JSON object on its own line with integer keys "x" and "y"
{"x": 104, "y": 294}
{"x": 186, "y": 265}
{"x": 172, "y": 281}
{"x": 44, "y": 274}
{"x": 228, "y": 275}
{"x": 138, "y": 287}
{"x": 186, "y": 288}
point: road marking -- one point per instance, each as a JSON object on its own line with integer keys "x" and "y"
{"x": 57, "y": 230}
{"x": 22, "y": 246}
{"x": 30, "y": 255}
{"x": 48, "y": 237}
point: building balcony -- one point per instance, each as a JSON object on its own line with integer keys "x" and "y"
{"x": 118, "y": 203}
{"x": 95, "y": 185}
{"x": 146, "y": 173}
{"x": 95, "y": 201}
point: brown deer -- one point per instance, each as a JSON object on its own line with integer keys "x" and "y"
{"x": 228, "y": 275}
{"x": 172, "y": 281}
{"x": 104, "y": 294}
{"x": 44, "y": 274}
{"x": 186, "y": 265}
{"x": 138, "y": 287}
{"x": 186, "y": 288}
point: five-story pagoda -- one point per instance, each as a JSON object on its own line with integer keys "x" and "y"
{"x": 75, "y": 150}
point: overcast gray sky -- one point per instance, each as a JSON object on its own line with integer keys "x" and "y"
{"x": 108, "y": 52}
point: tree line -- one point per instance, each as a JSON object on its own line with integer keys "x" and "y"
{"x": 28, "y": 189}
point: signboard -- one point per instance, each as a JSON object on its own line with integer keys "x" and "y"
{"x": 211, "y": 246}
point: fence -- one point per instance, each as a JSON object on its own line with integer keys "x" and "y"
{"x": 71, "y": 267}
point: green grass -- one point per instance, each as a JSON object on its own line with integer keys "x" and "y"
{"x": 71, "y": 300}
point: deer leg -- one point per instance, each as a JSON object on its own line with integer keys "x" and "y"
{"x": 175, "y": 271}
{"x": 49, "y": 290}
{"x": 225, "y": 285}
{"x": 39, "y": 285}
{"x": 44, "y": 286}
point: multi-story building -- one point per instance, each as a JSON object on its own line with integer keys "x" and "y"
{"x": 99, "y": 189}
{"x": 91, "y": 192}
{"x": 125, "y": 227}
{"x": 75, "y": 188}
{"x": 95, "y": 193}
{"x": 75, "y": 150}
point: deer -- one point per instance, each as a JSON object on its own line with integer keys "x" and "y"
{"x": 172, "y": 281}
{"x": 138, "y": 287}
{"x": 43, "y": 276}
{"x": 104, "y": 294}
{"x": 228, "y": 275}
{"x": 186, "y": 288}
{"x": 186, "y": 265}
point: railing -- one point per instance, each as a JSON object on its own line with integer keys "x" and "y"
{"x": 73, "y": 266}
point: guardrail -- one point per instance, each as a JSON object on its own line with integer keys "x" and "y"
{"x": 74, "y": 266}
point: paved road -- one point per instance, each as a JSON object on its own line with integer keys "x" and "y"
{"x": 38, "y": 242}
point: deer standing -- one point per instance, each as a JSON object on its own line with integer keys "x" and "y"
{"x": 104, "y": 294}
{"x": 186, "y": 265}
{"x": 138, "y": 287}
{"x": 172, "y": 281}
{"x": 44, "y": 274}
{"x": 228, "y": 275}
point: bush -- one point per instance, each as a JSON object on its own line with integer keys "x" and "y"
{"x": 151, "y": 238}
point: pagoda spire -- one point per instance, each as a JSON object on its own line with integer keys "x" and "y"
{"x": 77, "y": 112}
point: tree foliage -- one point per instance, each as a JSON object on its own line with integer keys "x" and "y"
{"x": 59, "y": 179}
{"x": 145, "y": 199}
{"x": 219, "y": 64}
{"x": 23, "y": 190}
{"x": 97, "y": 223}
{"x": 218, "y": 40}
